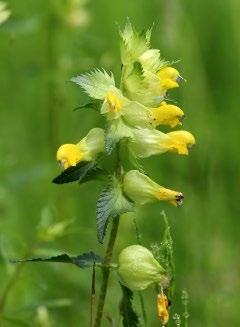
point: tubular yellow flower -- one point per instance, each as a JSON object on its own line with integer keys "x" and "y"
{"x": 141, "y": 189}
{"x": 138, "y": 268}
{"x": 167, "y": 114}
{"x": 180, "y": 142}
{"x": 169, "y": 78}
{"x": 87, "y": 149}
{"x": 162, "y": 307}
{"x": 147, "y": 142}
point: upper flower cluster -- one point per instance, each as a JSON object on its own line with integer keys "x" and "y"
{"x": 133, "y": 112}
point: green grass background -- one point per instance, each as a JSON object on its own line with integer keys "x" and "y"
{"x": 39, "y": 52}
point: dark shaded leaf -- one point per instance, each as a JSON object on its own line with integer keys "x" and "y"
{"x": 94, "y": 104}
{"x": 87, "y": 259}
{"x": 84, "y": 260}
{"x": 130, "y": 318}
{"x": 82, "y": 172}
{"x": 111, "y": 203}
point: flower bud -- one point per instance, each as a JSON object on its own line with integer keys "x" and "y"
{"x": 167, "y": 114}
{"x": 86, "y": 150}
{"x": 138, "y": 268}
{"x": 141, "y": 189}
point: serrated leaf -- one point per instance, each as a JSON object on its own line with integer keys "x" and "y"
{"x": 87, "y": 259}
{"x": 111, "y": 203}
{"x": 84, "y": 260}
{"x": 130, "y": 318}
{"x": 94, "y": 104}
{"x": 96, "y": 84}
{"x": 82, "y": 172}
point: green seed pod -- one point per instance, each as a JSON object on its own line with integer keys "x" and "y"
{"x": 138, "y": 268}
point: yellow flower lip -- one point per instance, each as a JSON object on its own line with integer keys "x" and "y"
{"x": 167, "y": 114}
{"x": 175, "y": 198}
{"x": 181, "y": 142}
{"x": 169, "y": 78}
{"x": 68, "y": 155}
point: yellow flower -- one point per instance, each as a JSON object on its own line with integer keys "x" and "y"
{"x": 141, "y": 189}
{"x": 162, "y": 307}
{"x": 169, "y": 78}
{"x": 114, "y": 102}
{"x": 69, "y": 155}
{"x": 167, "y": 114}
{"x": 180, "y": 142}
{"x": 147, "y": 142}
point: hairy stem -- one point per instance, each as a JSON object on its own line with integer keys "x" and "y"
{"x": 112, "y": 238}
{"x": 106, "y": 271}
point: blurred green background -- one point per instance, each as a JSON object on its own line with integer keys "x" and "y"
{"x": 43, "y": 44}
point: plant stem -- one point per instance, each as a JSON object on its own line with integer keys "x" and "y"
{"x": 106, "y": 271}
{"x": 115, "y": 223}
{"x": 139, "y": 240}
{"x": 9, "y": 286}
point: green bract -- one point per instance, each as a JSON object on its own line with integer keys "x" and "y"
{"x": 138, "y": 268}
{"x": 96, "y": 84}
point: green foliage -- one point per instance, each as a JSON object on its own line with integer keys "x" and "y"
{"x": 111, "y": 203}
{"x": 81, "y": 173}
{"x": 129, "y": 316}
{"x": 84, "y": 260}
{"x": 93, "y": 104}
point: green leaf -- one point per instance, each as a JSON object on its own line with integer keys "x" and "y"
{"x": 94, "y": 104}
{"x": 111, "y": 203}
{"x": 84, "y": 260}
{"x": 130, "y": 318}
{"x": 82, "y": 172}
